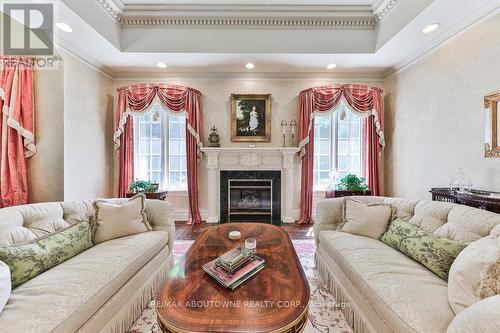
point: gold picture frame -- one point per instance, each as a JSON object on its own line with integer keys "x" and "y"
{"x": 250, "y": 117}
{"x": 492, "y": 125}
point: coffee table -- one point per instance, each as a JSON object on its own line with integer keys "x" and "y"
{"x": 274, "y": 300}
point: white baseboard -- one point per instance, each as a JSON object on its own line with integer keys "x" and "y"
{"x": 182, "y": 214}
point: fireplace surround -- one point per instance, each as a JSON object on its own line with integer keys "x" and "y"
{"x": 277, "y": 159}
{"x": 250, "y": 196}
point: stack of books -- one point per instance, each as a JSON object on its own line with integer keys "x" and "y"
{"x": 234, "y": 267}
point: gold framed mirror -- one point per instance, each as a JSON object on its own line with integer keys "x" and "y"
{"x": 492, "y": 125}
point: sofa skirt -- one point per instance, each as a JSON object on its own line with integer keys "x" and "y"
{"x": 358, "y": 313}
{"x": 119, "y": 313}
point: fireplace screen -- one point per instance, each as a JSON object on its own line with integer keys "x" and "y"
{"x": 250, "y": 200}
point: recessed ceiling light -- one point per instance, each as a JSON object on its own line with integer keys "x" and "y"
{"x": 64, "y": 27}
{"x": 250, "y": 66}
{"x": 331, "y": 66}
{"x": 430, "y": 28}
{"x": 161, "y": 65}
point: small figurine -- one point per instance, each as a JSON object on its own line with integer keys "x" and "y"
{"x": 213, "y": 138}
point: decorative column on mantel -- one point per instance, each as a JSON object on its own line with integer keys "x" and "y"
{"x": 250, "y": 159}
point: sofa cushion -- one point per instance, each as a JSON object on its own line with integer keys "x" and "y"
{"x": 468, "y": 224}
{"x": 452, "y": 221}
{"x": 31, "y": 259}
{"x": 383, "y": 274}
{"x": 464, "y": 276}
{"x": 118, "y": 220}
{"x": 481, "y": 317}
{"x": 64, "y": 297}
{"x": 5, "y": 285}
{"x": 364, "y": 219}
{"x": 435, "y": 253}
{"x": 29, "y": 222}
{"x": 403, "y": 209}
{"x": 430, "y": 215}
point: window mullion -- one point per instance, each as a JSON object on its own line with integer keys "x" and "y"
{"x": 335, "y": 139}
{"x": 166, "y": 157}
{"x": 137, "y": 145}
{"x": 150, "y": 157}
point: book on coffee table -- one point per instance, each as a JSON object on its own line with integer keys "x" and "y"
{"x": 235, "y": 279}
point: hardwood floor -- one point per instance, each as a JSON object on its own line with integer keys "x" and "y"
{"x": 186, "y": 232}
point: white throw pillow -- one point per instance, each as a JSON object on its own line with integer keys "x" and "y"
{"x": 369, "y": 220}
{"x": 119, "y": 220}
{"x": 5, "y": 285}
{"x": 465, "y": 273}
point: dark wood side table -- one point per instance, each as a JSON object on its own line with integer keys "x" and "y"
{"x": 486, "y": 200}
{"x": 160, "y": 195}
{"x": 338, "y": 193}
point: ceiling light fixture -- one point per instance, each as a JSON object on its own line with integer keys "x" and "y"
{"x": 430, "y": 28}
{"x": 161, "y": 65}
{"x": 63, "y": 26}
{"x": 331, "y": 66}
{"x": 250, "y": 66}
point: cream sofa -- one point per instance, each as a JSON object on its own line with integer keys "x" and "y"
{"x": 103, "y": 289}
{"x": 388, "y": 292}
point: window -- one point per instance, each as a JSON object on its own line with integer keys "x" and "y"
{"x": 337, "y": 145}
{"x": 160, "y": 148}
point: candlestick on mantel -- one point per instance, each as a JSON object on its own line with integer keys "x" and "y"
{"x": 283, "y": 127}
{"x": 293, "y": 125}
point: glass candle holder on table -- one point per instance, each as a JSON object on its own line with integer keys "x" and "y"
{"x": 251, "y": 245}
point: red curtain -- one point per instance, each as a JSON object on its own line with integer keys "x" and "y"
{"x": 16, "y": 130}
{"x": 363, "y": 100}
{"x": 137, "y": 99}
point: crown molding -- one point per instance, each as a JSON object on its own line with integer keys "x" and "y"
{"x": 358, "y": 77}
{"x": 263, "y": 16}
{"x": 251, "y": 8}
{"x": 83, "y": 58}
{"x": 383, "y": 11}
{"x": 110, "y": 6}
{"x": 253, "y": 23}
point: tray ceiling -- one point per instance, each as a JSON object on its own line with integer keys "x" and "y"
{"x": 220, "y": 41}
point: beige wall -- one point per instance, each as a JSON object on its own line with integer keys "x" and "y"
{"x": 434, "y": 115}
{"x": 46, "y": 167}
{"x": 88, "y": 132}
{"x": 216, "y": 111}
{"x": 74, "y": 129}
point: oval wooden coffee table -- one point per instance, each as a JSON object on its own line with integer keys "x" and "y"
{"x": 274, "y": 300}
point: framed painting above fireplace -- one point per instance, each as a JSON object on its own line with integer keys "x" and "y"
{"x": 250, "y": 118}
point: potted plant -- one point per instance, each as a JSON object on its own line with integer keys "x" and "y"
{"x": 352, "y": 183}
{"x": 139, "y": 186}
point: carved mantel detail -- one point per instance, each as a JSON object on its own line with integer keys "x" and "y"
{"x": 245, "y": 158}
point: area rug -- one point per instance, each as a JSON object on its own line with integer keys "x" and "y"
{"x": 324, "y": 312}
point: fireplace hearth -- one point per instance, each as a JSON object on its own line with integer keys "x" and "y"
{"x": 251, "y": 196}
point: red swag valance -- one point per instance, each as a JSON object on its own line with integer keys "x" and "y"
{"x": 137, "y": 99}
{"x": 364, "y": 101}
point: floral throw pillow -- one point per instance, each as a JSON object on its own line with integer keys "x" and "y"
{"x": 28, "y": 260}
{"x": 489, "y": 284}
{"x": 435, "y": 253}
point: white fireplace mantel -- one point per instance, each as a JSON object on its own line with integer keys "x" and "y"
{"x": 283, "y": 159}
